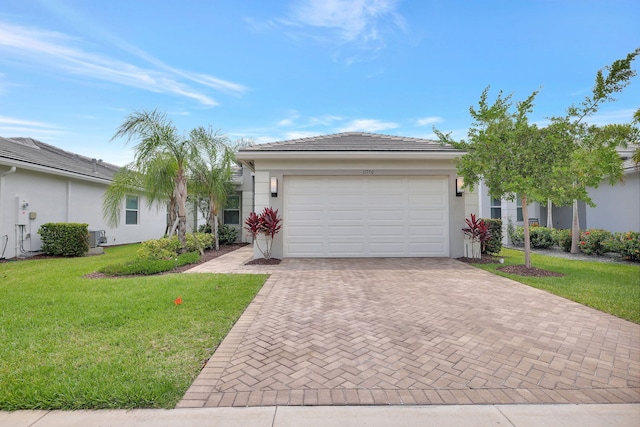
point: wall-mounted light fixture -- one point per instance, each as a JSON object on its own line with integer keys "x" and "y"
{"x": 274, "y": 186}
{"x": 459, "y": 185}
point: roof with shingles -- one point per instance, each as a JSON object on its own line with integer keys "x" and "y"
{"x": 33, "y": 152}
{"x": 353, "y": 141}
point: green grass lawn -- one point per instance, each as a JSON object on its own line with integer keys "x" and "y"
{"x": 69, "y": 342}
{"x": 610, "y": 287}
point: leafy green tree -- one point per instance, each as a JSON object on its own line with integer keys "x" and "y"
{"x": 156, "y": 137}
{"x": 506, "y": 151}
{"x": 588, "y": 153}
{"x": 555, "y": 163}
{"x": 211, "y": 172}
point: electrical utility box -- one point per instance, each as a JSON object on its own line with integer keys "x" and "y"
{"x": 22, "y": 211}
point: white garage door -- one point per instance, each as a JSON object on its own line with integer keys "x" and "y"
{"x": 365, "y": 217}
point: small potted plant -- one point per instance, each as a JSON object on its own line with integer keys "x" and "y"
{"x": 477, "y": 233}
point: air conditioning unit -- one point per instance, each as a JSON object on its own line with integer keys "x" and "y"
{"x": 97, "y": 238}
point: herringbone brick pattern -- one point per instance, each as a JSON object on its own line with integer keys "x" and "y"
{"x": 416, "y": 331}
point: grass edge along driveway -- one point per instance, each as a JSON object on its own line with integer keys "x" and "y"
{"x": 611, "y": 287}
{"x": 76, "y": 343}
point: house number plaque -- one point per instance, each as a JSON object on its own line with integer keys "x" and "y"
{"x": 368, "y": 172}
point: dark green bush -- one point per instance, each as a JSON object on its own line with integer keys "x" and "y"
{"x": 541, "y": 237}
{"x": 493, "y": 245}
{"x": 145, "y": 267}
{"x": 227, "y": 234}
{"x": 64, "y": 238}
{"x": 562, "y": 238}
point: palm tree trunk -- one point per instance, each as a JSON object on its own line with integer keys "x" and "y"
{"x": 549, "y": 213}
{"x": 215, "y": 232}
{"x": 181, "y": 187}
{"x": 575, "y": 229}
{"x": 213, "y": 221}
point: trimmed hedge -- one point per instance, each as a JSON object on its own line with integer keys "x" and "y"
{"x": 64, "y": 238}
{"x": 145, "y": 267}
{"x": 493, "y": 245}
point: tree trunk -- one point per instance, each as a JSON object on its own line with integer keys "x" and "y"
{"x": 181, "y": 186}
{"x": 215, "y": 232}
{"x": 575, "y": 230}
{"x": 171, "y": 217}
{"x": 549, "y": 213}
{"x": 527, "y": 238}
{"x": 213, "y": 222}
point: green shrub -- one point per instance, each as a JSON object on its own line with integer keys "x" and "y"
{"x": 591, "y": 241}
{"x": 147, "y": 266}
{"x": 227, "y": 234}
{"x": 516, "y": 235}
{"x": 541, "y": 237}
{"x": 493, "y": 245}
{"x": 626, "y": 244}
{"x": 562, "y": 238}
{"x": 64, "y": 238}
{"x": 205, "y": 241}
{"x": 160, "y": 249}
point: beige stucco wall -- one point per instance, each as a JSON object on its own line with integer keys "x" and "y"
{"x": 279, "y": 168}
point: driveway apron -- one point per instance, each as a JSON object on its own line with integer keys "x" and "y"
{"x": 415, "y": 331}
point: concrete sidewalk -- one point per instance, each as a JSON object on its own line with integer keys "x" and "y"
{"x": 621, "y": 415}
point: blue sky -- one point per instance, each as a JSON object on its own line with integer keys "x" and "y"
{"x": 72, "y": 70}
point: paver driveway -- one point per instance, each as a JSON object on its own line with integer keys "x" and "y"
{"x": 415, "y": 331}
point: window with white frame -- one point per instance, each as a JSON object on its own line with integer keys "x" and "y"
{"x": 131, "y": 210}
{"x": 519, "y": 216}
{"x": 496, "y": 208}
{"x": 231, "y": 212}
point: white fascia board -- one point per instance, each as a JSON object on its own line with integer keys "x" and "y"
{"x": 247, "y": 156}
{"x": 52, "y": 171}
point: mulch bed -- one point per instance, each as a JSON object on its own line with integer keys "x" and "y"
{"x": 522, "y": 270}
{"x": 486, "y": 259}
{"x": 263, "y": 261}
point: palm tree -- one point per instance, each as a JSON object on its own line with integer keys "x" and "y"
{"x": 212, "y": 172}
{"x": 157, "y": 138}
{"x": 155, "y": 182}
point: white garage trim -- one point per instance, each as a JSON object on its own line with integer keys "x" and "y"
{"x": 366, "y": 216}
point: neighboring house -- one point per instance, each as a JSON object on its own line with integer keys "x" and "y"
{"x": 617, "y": 207}
{"x": 361, "y": 195}
{"x": 40, "y": 183}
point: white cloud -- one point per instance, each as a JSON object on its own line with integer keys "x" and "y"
{"x": 362, "y": 21}
{"x": 30, "y": 123}
{"x": 428, "y": 121}
{"x": 611, "y": 117}
{"x": 299, "y": 134}
{"x": 58, "y": 51}
{"x": 368, "y": 125}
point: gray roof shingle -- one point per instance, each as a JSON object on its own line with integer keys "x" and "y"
{"x": 352, "y": 141}
{"x": 37, "y": 153}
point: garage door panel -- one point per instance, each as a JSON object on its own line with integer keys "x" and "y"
{"x": 339, "y": 233}
{"x": 306, "y": 249}
{"x": 347, "y": 249}
{"x": 427, "y": 215}
{"x": 368, "y": 216}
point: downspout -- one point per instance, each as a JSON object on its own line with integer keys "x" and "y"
{"x": 2, "y": 175}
